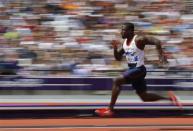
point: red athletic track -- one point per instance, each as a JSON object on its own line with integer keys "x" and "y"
{"x": 96, "y": 124}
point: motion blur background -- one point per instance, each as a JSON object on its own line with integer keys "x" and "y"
{"x": 72, "y": 37}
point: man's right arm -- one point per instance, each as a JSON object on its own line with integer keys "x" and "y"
{"x": 118, "y": 53}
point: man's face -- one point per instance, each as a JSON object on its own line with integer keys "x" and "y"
{"x": 126, "y": 32}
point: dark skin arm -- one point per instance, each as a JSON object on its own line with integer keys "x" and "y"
{"x": 118, "y": 53}
{"x": 141, "y": 41}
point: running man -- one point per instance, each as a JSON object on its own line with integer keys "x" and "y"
{"x": 133, "y": 49}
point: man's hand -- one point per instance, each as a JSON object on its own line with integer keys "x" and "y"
{"x": 115, "y": 44}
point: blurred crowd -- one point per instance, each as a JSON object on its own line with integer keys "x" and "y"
{"x": 72, "y": 37}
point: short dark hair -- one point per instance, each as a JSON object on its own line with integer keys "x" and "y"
{"x": 129, "y": 26}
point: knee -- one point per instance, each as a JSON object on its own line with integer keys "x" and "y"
{"x": 119, "y": 81}
{"x": 143, "y": 96}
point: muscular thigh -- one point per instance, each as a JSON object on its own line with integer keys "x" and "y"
{"x": 139, "y": 85}
{"x": 136, "y": 76}
{"x": 133, "y": 74}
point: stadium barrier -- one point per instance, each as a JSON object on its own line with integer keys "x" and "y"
{"x": 17, "y": 82}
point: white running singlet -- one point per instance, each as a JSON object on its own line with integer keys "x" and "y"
{"x": 133, "y": 54}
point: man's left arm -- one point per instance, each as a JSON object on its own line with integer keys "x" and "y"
{"x": 157, "y": 43}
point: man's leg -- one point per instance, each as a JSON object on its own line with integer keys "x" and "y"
{"x": 127, "y": 77}
{"x": 151, "y": 97}
{"x": 116, "y": 91}
{"x": 147, "y": 97}
{"x": 141, "y": 90}
{"x": 107, "y": 112}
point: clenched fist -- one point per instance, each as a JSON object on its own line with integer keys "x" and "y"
{"x": 115, "y": 44}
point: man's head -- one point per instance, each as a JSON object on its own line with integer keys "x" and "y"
{"x": 127, "y": 30}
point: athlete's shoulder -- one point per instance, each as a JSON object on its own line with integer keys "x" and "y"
{"x": 141, "y": 38}
{"x": 140, "y": 41}
{"x": 146, "y": 40}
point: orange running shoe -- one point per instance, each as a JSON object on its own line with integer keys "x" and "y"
{"x": 174, "y": 99}
{"x": 104, "y": 112}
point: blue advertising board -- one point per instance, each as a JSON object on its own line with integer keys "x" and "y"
{"x": 86, "y": 83}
